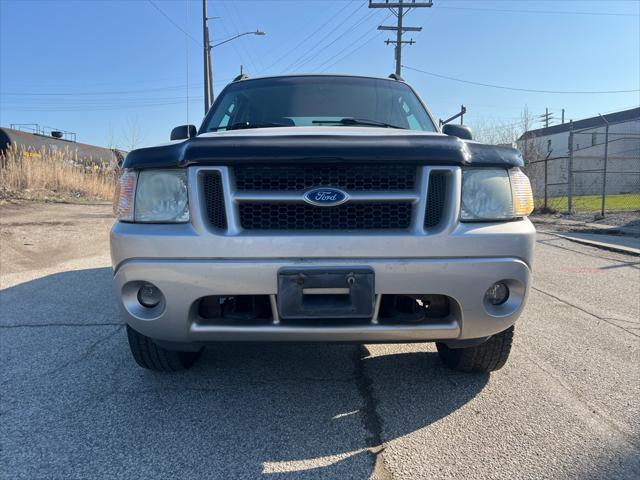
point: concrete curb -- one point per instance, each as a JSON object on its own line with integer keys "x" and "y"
{"x": 602, "y": 245}
{"x": 594, "y": 227}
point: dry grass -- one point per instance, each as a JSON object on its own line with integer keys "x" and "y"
{"x": 52, "y": 175}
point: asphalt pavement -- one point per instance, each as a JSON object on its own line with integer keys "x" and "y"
{"x": 73, "y": 404}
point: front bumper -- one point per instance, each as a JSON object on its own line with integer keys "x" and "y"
{"x": 183, "y": 282}
{"x": 188, "y": 262}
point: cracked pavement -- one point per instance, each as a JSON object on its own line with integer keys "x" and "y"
{"x": 73, "y": 404}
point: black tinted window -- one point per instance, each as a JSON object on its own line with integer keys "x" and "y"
{"x": 307, "y": 101}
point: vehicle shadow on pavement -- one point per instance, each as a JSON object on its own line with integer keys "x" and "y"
{"x": 73, "y": 393}
{"x": 334, "y": 405}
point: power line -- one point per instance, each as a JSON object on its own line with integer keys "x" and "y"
{"x": 309, "y": 54}
{"x": 174, "y": 23}
{"x": 243, "y": 28}
{"x": 323, "y": 66}
{"x": 88, "y": 101}
{"x": 100, "y": 84}
{"x": 111, "y": 92}
{"x": 308, "y": 37}
{"x": 242, "y": 51}
{"x": 519, "y": 89}
{"x": 98, "y": 108}
{"x": 354, "y": 50}
{"x": 343, "y": 34}
{"x": 549, "y": 12}
{"x": 96, "y": 102}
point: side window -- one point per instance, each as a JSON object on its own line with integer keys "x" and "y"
{"x": 224, "y": 114}
{"x": 413, "y": 122}
{"x": 226, "y": 118}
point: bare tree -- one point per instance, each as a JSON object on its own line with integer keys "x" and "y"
{"x": 529, "y": 145}
{"x": 496, "y": 132}
{"x": 111, "y": 137}
{"x": 131, "y": 136}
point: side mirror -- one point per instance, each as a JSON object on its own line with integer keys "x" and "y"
{"x": 183, "y": 132}
{"x": 459, "y": 131}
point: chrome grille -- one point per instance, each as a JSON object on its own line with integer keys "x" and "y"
{"x": 234, "y": 201}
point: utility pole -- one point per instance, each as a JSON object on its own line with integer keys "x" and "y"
{"x": 546, "y": 117}
{"x": 208, "y": 76}
{"x": 400, "y": 8}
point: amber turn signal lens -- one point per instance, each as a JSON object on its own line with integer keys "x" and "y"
{"x": 124, "y": 196}
{"x": 521, "y": 193}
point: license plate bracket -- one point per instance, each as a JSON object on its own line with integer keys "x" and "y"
{"x": 319, "y": 292}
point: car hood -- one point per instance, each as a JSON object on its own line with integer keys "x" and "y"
{"x": 322, "y": 144}
{"x": 348, "y": 131}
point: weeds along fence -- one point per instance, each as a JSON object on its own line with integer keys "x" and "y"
{"x": 599, "y": 172}
{"x": 28, "y": 173}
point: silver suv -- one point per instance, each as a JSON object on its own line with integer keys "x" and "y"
{"x": 322, "y": 208}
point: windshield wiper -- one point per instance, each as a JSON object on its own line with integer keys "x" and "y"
{"x": 359, "y": 121}
{"x": 243, "y": 125}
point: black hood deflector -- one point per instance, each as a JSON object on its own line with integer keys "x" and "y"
{"x": 234, "y": 150}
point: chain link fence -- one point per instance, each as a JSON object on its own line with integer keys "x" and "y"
{"x": 599, "y": 173}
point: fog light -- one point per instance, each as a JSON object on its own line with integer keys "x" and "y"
{"x": 149, "y": 295}
{"x": 497, "y": 294}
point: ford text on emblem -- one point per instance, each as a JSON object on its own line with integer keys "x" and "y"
{"x": 325, "y": 197}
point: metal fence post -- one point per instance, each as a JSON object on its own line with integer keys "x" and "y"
{"x": 604, "y": 173}
{"x": 570, "y": 173}
{"x": 546, "y": 179}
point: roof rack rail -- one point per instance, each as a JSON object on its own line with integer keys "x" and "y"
{"x": 395, "y": 76}
{"x": 242, "y": 76}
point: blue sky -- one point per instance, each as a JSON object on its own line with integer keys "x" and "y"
{"x": 99, "y": 67}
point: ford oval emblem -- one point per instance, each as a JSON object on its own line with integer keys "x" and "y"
{"x": 325, "y": 197}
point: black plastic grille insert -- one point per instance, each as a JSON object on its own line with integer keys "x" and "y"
{"x": 436, "y": 196}
{"x": 348, "y": 216}
{"x": 214, "y": 199}
{"x": 348, "y": 177}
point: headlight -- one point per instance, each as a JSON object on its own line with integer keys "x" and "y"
{"x": 161, "y": 197}
{"x": 493, "y": 194}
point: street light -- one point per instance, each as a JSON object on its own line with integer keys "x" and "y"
{"x": 257, "y": 32}
{"x": 208, "y": 62}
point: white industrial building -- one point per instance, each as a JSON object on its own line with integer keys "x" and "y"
{"x": 587, "y": 155}
{"x": 555, "y": 139}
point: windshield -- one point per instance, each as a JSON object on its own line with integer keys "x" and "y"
{"x": 317, "y": 101}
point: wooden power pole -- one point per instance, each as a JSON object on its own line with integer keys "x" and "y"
{"x": 399, "y": 8}
{"x": 208, "y": 77}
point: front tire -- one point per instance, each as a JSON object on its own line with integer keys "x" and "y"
{"x": 484, "y": 358}
{"x": 151, "y": 356}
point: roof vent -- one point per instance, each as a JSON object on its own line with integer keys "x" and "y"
{"x": 242, "y": 76}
